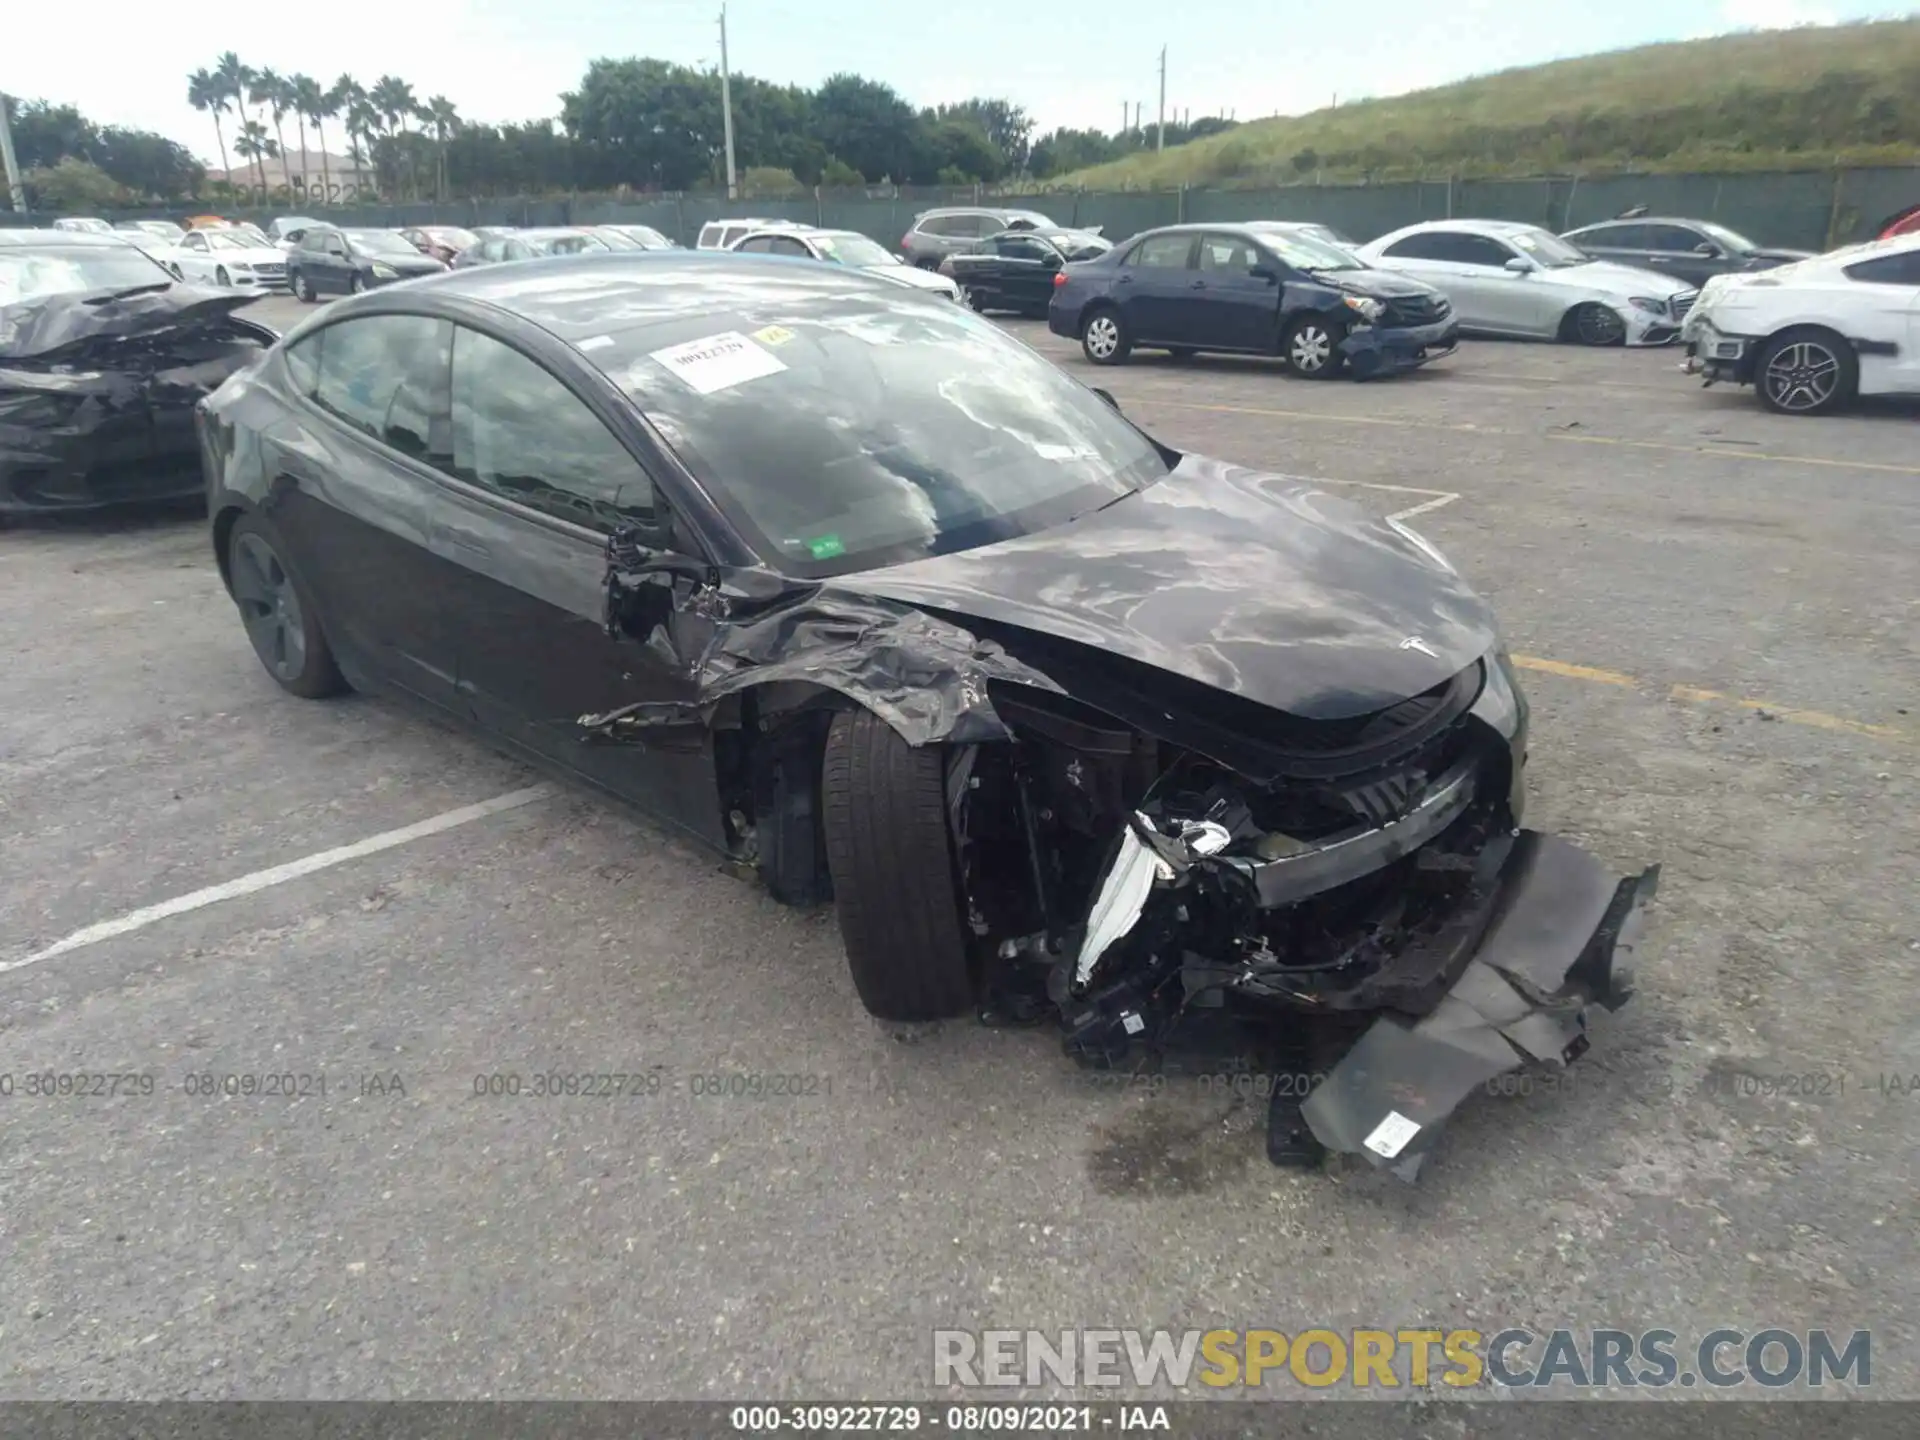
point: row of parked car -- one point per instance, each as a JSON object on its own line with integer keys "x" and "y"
{"x": 1808, "y": 331}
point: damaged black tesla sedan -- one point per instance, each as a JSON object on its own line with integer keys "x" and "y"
{"x": 854, "y": 587}
{"x": 103, "y": 356}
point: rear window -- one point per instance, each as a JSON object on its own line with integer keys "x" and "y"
{"x": 57, "y": 270}
{"x": 843, "y": 431}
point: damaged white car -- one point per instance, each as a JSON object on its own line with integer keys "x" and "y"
{"x": 861, "y": 591}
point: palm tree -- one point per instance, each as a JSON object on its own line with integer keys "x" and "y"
{"x": 206, "y": 93}
{"x": 234, "y": 77}
{"x": 364, "y": 121}
{"x": 256, "y": 145}
{"x": 393, "y": 98}
{"x": 271, "y": 90}
{"x": 303, "y": 94}
{"x": 326, "y": 104}
{"x": 444, "y": 119}
{"x": 349, "y": 97}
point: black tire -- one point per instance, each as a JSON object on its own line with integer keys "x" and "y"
{"x": 1593, "y": 324}
{"x": 1808, "y": 371}
{"x": 1103, "y": 336}
{"x": 358, "y": 284}
{"x": 1181, "y": 352}
{"x": 222, "y": 279}
{"x": 278, "y": 613}
{"x": 1311, "y": 347}
{"x": 303, "y": 288}
{"x": 884, "y": 811}
{"x": 177, "y": 273}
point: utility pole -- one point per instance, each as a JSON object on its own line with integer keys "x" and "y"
{"x": 15, "y": 190}
{"x": 726, "y": 106}
{"x": 1160, "y": 140}
{"x": 1126, "y": 113}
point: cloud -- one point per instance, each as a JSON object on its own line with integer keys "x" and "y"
{"x": 1773, "y": 14}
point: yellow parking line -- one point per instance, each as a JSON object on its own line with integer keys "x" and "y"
{"x": 1693, "y": 694}
{"x": 1670, "y": 448}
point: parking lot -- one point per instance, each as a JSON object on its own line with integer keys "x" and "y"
{"x": 1716, "y": 611}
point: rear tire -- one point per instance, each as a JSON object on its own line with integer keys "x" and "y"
{"x": 1806, "y": 372}
{"x": 303, "y": 288}
{"x": 884, "y": 806}
{"x": 278, "y": 613}
{"x": 1104, "y": 338}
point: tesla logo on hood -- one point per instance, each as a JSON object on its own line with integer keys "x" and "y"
{"x": 1414, "y": 642}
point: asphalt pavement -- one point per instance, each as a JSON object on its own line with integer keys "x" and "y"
{"x": 1716, "y": 612}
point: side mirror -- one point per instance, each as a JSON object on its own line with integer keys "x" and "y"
{"x": 1519, "y": 265}
{"x": 1107, "y": 395}
{"x": 1262, "y": 272}
{"x": 1708, "y": 249}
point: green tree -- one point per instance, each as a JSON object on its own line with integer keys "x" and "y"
{"x": 270, "y": 89}
{"x": 71, "y": 184}
{"x": 870, "y": 127}
{"x": 255, "y": 144}
{"x": 445, "y": 121}
{"x": 1008, "y": 128}
{"x": 645, "y": 122}
{"x": 147, "y": 164}
{"x": 303, "y": 91}
{"x": 207, "y": 93}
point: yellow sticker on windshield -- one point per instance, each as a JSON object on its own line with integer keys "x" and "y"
{"x": 775, "y": 335}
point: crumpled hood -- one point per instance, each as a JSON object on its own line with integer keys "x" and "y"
{"x": 1377, "y": 284}
{"x": 912, "y": 276}
{"x": 1263, "y": 586}
{"x": 43, "y": 328}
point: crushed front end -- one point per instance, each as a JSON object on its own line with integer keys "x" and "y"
{"x": 1360, "y": 891}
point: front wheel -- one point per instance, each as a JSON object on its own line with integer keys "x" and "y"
{"x": 303, "y": 288}
{"x": 1806, "y": 372}
{"x": 1104, "y": 338}
{"x": 278, "y": 613}
{"x": 221, "y": 279}
{"x": 1312, "y": 347}
{"x": 358, "y": 283}
{"x": 884, "y": 814}
{"x": 1598, "y": 325}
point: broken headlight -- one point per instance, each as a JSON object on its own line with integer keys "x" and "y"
{"x": 1366, "y": 308}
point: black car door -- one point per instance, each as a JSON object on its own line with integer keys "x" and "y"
{"x": 336, "y": 263}
{"x": 1025, "y": 268}
{"x": 1232, "y": 308}
{"x": 354, "y": 491}
{"x": 1624, "y": 244}
{"x": 539, "y": 482}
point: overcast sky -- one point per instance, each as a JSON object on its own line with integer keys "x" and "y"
{"x": 127, "y": 63}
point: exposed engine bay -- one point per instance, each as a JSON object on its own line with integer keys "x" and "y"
{"x": 1370, "y": 892}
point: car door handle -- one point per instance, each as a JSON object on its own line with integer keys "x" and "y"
{"x": 1198, "y": 285}
{"x": 1124, "y": 280}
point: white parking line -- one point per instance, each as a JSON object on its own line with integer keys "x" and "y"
{"x": 1436, "y": 498}
{"x": 280, "y": 874}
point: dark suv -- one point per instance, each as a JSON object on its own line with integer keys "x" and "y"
{"x": 937, "y": 234}
{"x": 1693, "y": 251}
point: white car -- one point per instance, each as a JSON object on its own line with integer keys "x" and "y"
{"x": 725, "y": 234}
{"x": 231, "y": 258}
{"x": 845, "y": 247}
{"x": 1810, "y": 336}
{"x": 1509, "y": 278}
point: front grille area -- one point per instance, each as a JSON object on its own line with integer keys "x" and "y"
{"x": 1411, "y": 310}
{"x": 1681, "y": 304}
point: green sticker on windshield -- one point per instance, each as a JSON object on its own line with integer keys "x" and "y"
{"x": 825, "y": 547}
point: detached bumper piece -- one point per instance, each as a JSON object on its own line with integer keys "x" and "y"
{"x": 1562, "y": 937}
{"x": 1375, "y": 350}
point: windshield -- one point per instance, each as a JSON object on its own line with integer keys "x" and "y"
{"x": 1077, "y": 244}
{"x": 1029, "y": 220}
{"x": 237, "y": 240}
{"x": 614, "y": 240}
{"x": 1307, "y": 252}
{"x": 1545, "y": 248}
{"x": 844, "y": 432}
{"x": 382, "y": 242}
{"x": 87, "y": 226}
{"x": 646, "y": 237}
{"x": 28, "y": 274}
{"x": 1727, "y": 239}
{"x": 451, "y": 235}
{"x": 850, "y": 249}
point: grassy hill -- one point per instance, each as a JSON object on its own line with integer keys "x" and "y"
{"x": 1782, "y": 99}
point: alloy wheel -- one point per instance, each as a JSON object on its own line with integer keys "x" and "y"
{"x": 1311, "y": 349}
{"x": 1802, "y": 376}
{"x": 1597, "y": 325}
{"x": 1103, "y": 336}
{"x": 269, "y": 608}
